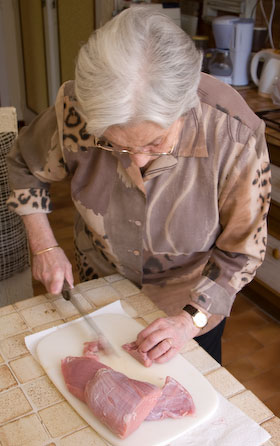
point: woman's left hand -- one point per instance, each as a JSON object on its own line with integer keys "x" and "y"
{"x": 165, "y": 337}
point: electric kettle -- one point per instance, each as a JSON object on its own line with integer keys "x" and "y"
{"x": 270, "y": 71}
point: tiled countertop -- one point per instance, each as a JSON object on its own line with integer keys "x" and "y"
{"x": 34, "y": 413}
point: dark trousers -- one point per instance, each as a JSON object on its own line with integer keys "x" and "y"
{"x": 212, "y": 341}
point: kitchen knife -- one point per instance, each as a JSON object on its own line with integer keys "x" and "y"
{"x": 73, "y": 296}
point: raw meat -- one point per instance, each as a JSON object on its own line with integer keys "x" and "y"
{"x": 119, "y": 402}
{"x": 77, "y": 371}
{"x": 91, "y": 348}
{"x": 132, "y": 349}
{"x": 174, "y": 402}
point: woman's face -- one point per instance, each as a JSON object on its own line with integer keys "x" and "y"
{"x": 145, "y": 136}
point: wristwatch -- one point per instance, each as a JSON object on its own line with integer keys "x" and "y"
{"x": 199, "y": 319}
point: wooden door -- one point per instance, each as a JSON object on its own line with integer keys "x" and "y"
{"x": 34, "y": 54}
{"x": 76, "y": 21}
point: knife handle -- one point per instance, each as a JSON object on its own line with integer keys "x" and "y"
{"x": 66, "y": 293}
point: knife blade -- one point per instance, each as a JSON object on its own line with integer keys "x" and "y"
{"x": 73, "y": 296}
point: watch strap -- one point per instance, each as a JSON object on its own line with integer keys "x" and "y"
{"x": 199, "y": 318}
{"x": 191, "y": 310}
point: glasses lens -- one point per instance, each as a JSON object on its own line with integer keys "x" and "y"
{"x": 103, "y": 143}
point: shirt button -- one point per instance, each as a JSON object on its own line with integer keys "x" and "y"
{"x": 136, "y": 252}
{"x": 138, "y": 223}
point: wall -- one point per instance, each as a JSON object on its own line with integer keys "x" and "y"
{"x": 194, "y": 7}
{"x": 260, "y": 21}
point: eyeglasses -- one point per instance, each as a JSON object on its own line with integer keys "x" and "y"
{"x": 103, "y": 143}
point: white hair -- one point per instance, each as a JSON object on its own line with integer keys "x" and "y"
{"x": 140, "y": 66}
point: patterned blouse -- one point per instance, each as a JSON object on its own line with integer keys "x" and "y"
{"x": 199, "y": 213}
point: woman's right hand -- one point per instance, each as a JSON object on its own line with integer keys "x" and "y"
{"x": 51, "y": 268}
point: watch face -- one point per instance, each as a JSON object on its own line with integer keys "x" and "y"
{"x": 200, "y": 319}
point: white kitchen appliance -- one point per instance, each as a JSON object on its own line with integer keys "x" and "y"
{"x": 270, "y": 72}
{"x": 234, "y": 35}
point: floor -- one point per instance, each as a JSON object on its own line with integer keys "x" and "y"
{"x": 251, "y": 351}
{"x": 251, "y": 341}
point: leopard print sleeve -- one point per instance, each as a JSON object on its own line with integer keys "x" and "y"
{"x": 243, "y": 207}
{"x": 35, "y": 161}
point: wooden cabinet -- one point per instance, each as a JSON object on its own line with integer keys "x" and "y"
{"x": 268, "y": 273}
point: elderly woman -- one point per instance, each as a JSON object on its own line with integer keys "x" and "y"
{"x": 169, "y": 175}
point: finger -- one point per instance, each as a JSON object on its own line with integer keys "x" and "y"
{"x": 155, "y": 338}
{"x": 162, "y": 348}
{"x": 154, "y": 326}
{"x": 55, "y": 283}
{"x": 69, "y": 277}
{"x": 167, "y": 356}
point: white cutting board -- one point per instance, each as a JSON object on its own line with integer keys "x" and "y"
{"x": 120, "y": 329}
